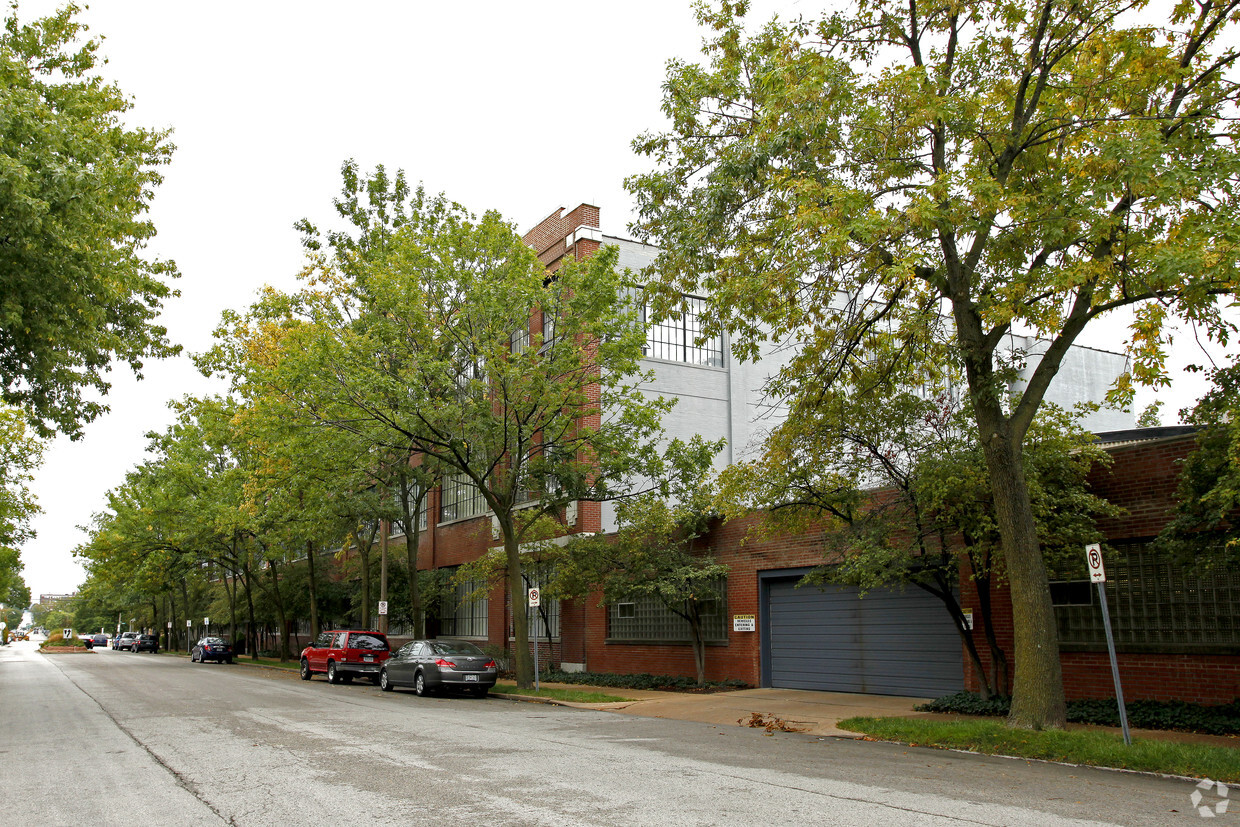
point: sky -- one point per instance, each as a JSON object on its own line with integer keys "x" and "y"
{"x": 521, "y": 107}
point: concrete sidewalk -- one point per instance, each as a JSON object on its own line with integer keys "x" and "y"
{"x": 804, "y": 710}
{"x": 800, "y": 710}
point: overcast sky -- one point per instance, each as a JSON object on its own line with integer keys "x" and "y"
{"x": 521, "y": 107}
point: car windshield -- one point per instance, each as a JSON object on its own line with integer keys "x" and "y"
{"x": 212, "y": 641}
{"x": 455, "y": 647}
{"x": 368, "y": 642}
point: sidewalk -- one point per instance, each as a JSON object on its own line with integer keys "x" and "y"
{"x": 815, "y": 713}
{"x": 804, "y": 710}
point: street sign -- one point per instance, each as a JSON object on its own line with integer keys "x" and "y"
{"x": 383, "y": 607}
{"x": 1093, "y": 559}
{"x": 206, "y": 621}
{"x": 67, "y": 634}
{"x": 169, "y": 624}
{"x": 535, "y": 598}
{"x": 189, "y": 624}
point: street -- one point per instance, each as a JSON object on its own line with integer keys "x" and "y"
{"x": 120, "y": 738}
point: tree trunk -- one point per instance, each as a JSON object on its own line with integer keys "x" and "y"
{"x": 998, "y": 660}
{"x": 1037, "y": 689}
{"x": 275, "y": 593}
{"x": 699, "y": 645}
{"x": 522, "y": 664}
{"x": 363, "y": 557}
{"x": 313, "y": 590}
{"x": 252, "y": 630}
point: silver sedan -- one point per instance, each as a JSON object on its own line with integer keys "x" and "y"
{"x": 427, "y": 665}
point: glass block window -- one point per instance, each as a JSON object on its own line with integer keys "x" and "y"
{"x": 1156, "y": 604}
{"x": 459, "y": 499}
{"x": 464, "y": 617}
{"x": 675, "y": 340}
{"x": 647, "y": 620}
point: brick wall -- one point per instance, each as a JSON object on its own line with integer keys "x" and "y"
{"x": 1142, "y": 480}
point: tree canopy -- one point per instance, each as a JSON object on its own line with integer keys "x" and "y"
{"x": 435, "y": 334}
{"x": 76, "y": 292}
{"x": 900, "y": 186}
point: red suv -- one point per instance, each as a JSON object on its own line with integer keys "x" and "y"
{"x": 344, "y": 655}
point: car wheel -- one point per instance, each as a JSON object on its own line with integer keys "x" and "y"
{"x": 193, "y": 657}
{"x": 332, "y": 677}
{"x": 384, "y": 683}
{"x": 419, "y": 685}
{"x": 305, "y": 670}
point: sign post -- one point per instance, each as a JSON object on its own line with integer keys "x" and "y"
{"x": 1097, "y": 574}
{"x": 535, "y": 602}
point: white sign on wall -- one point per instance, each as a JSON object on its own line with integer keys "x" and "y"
{"x": 744, "y": 623}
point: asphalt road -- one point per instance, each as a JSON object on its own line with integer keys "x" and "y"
{"x": 120, "y": 738}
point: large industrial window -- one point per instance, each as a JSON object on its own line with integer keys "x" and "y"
{"x": 546, "y": 618}
{"x": 463, "y": 617}
{"x": 647, "y": 620}
{"x": 460, "y": 498}
{"x": 675, "y": 340}
{"x": 397, "y": 528}
{"x": 1157, "y": 605}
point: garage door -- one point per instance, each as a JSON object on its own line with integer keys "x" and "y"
{"x": 887, "y": 643}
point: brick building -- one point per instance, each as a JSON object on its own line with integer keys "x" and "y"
{"x": 769, "y": 632}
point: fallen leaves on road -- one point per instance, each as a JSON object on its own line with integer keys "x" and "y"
{"x": 770, "y": 723}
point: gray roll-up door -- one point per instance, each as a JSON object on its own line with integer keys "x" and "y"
{"x": 887, "y": 643}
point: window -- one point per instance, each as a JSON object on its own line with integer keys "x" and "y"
{"x": 460, "y": 498}
{"x": 545, "y": 619}
{"x": 1072, "y": 593}
{"x": 675, "y": 339}
{"x": 1157, "y": 605}
{"x": 645, "y": 619}
{"x": 520, "y": 341}
{"x": 397, "y": 529}
{"x": 464, "y": 617}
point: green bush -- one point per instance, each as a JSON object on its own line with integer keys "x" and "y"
{"x": 1223, "y": 719}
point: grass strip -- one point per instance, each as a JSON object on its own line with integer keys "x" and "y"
{"x": 1098, "y": 749}
{"x": 578, "y": 696}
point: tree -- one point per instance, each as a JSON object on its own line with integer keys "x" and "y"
{"x": 421, "y": 345}
{"x": 75, "y": 292}
{"x": 1205, "y": 528}
{"x": 657, "y": 550}
{"x": 902, "y": 185}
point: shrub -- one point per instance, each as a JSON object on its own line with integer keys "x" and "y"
{"x": 1223, "y": 719}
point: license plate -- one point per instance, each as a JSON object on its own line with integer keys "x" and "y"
{"x": 471, "y": 678}
{"x": 368, "y": 658}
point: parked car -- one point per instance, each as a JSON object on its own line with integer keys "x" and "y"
{"x": 211, "y": 648}
{"x": 345, "y": 655}
{"x": 427, "y": 665}
{"x": 124, "y": 640}
{"x": 145, "y": 643}
{"x": 100, "y": 640}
